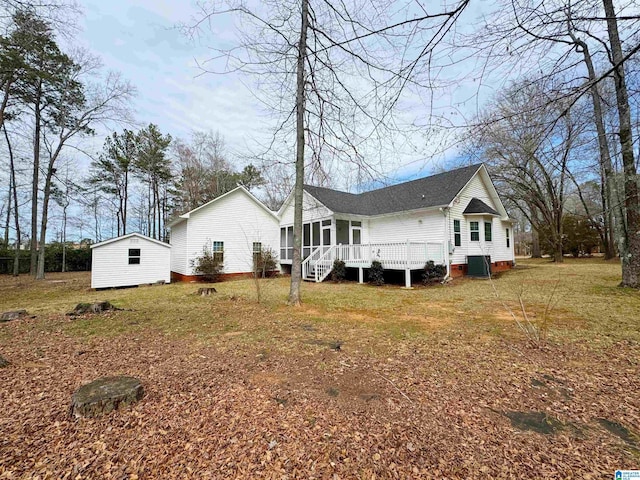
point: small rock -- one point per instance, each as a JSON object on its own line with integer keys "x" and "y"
{"x": 13, "y": 315}
{"x": 3, "y": 362}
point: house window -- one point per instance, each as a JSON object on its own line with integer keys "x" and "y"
{"x": 283, "y": 243}
{"x": 457, "y": 236}
{"x": 326, "y": 223}
{"x": 134, "y": 256}
{"x": 356, "y": 224}
{"x": 474, "y": 228}
{"x": 508, "y": 239}
{"x": 218, "y": 251}
{"x": 290, "y": 243}
{"x": 257, "y": 251}
{"x": 487, "y": 231}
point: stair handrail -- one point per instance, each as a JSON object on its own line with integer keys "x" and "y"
{"x": 307, "y": 261}
{"x": 321, "y": 269}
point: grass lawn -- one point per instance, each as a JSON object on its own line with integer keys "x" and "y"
{"x": 360, "y": 382}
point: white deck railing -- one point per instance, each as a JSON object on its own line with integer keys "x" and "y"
{"x": 392, "y": 256}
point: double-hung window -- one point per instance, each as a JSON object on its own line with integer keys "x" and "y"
{"x": 218, "y": 251}
{"x": 508, "y": 239}
{"x": 457, "y": 235}
{"x": 474, "y": 228}
{"x": 487, "y": 231}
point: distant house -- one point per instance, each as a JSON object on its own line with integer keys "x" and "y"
{"x": 129, "y": 260}
{"x": 233, "y": 226}
{"x": 454, "y": 218}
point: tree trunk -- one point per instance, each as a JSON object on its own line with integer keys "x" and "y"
{"x": 45, "y": 212}
{"x": 34, "y": 187}
{"x": 126, "y": 199}
{"x": 296, "y": 267}
{"x": 64, "y": 238}
{"x": 605, "y": 156}
{"x": 630, "y": 255}
{"x": 8, "y": 221}
{"x": 12, "y": 172}
{"x": 5, "y": 100}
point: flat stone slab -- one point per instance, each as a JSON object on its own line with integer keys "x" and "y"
{"x": 13, "y": 315}
{"x": 105, "y": 395}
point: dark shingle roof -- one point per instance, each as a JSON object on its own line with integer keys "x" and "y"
{"x": 478, "y": 206}
{"x": 436, "y": 190}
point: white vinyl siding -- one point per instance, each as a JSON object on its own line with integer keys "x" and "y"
{"x": 311, "y": 210}
{"x": 179, "y": 248}
{"x": 497, "y": 247}
{"x": 111, "y": 267}
{"x": 238, "y": 221}
{"x": 425, "y": 226}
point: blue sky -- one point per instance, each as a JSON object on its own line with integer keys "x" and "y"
{"x": 141, "y": 40}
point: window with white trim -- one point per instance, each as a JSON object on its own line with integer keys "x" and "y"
{"x": 474, "y": 228}
{"x": 487, "y": 231}
{"x": 134, "y": 256}
{"x": 257, "y": 251}
{"x": 457, "y": 235}
{"x": 217, "y": 248}
{"x": 508, "y": 239}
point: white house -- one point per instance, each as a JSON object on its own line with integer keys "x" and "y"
{"x": 129, "y": 260}
{"x": 454, "y": 218}
{"x": 233, "y": 226}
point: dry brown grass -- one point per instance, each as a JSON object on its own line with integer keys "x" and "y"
{"x": 417, "y": 390}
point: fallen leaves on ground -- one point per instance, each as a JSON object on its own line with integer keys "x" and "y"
{"x": 434, "y": 411}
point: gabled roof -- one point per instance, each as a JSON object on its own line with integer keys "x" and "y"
{"x": 435, "y": 191}
{"x": 478, "y": 207}
{"x": 240, "y": 188}
{"x": 129, "y": 235}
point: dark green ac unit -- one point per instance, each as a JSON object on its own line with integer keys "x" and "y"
{"x": 478, "y": 265}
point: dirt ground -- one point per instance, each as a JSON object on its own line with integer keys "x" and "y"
{"x": 358, "y": 383}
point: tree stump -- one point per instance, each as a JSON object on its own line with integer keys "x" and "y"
{"x": 206, "y": 291}
{"x": 14, "y": 315}
{"x": 98, "y": 307}
{"x": 105, "y": 395}
{"x": 3, "y": 362}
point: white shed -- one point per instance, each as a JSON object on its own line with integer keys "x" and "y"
{"x": 130, "y": 260}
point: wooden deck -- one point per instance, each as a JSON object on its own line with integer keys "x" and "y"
{"x": 405, "y": 256}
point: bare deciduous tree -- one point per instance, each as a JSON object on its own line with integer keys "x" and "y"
{"x": 332, "y": 74}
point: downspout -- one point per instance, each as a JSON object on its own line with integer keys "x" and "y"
{"x": 445, "y": 213}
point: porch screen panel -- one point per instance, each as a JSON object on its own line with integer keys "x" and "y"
{"x": 306, "y": 240}
{"x": 290, "y": 243}
{"x": 283, "y": 243}
{"x": 316, "y": 234}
